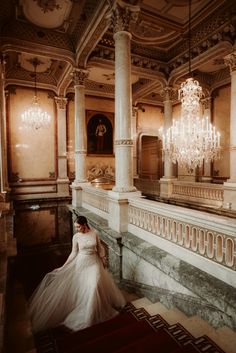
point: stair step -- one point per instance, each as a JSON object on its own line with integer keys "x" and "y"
{"x": 173, "y": 316}
{"x": 226, "y": 339}
{"x": 141, "y": 302}
{"x": 198, "y": 327}
{"x": 155, "y": 308}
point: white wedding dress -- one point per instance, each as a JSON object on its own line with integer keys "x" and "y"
{"x": 79, "y": 294}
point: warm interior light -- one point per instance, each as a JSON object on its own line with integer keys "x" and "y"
{"x": 191, "y": 139}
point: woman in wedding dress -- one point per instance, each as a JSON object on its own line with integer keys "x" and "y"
{"x": 82, "y": 292}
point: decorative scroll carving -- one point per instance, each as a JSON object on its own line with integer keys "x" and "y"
{"x": 230, "y": 60}
{"x": 168, "y": 93}
{"x": 61, "y": 102}
{"x": 123, "y": 16}
{"x": 206, "y": 102}
{"x": 124, "y": 142}
{"x": 79, "y": 76}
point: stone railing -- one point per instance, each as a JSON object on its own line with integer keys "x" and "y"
{"x": 186, "y": 232}
{"x": 203, "y": 193}
{"x": 148, "y": 187}
{"x": 96, "y": 200}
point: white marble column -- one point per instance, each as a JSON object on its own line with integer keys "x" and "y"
{"x": 122, "y": 17}
{"x": 62, "y": 180}
{"x": 79, "y": 77}
{"x": 166, "y": 182}
{"x": 4, "y": 186}
{"x": 230, "y": 185}
{"x": 207, "y": 176}
{"x": 134, "y": 138}
{"x": 123, "y": 113}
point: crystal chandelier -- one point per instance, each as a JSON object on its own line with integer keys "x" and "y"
{"x": 34, "y": 117}
{"x": 191, "y": 139}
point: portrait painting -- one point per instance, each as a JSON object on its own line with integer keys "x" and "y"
{"x": 99, "y": 132}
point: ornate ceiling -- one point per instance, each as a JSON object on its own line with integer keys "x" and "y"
{"x": 64, "y": 34}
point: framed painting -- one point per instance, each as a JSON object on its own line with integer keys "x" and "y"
{"x": 100, "y": 127}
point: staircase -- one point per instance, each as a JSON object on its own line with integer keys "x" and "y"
{"x": 141, "y": 327}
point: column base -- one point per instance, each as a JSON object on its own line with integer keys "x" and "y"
{"x": 63, "y": 187}
{"x": 206, "y": 179}
{"x": 166, "y": 187}
{"x": 118, "y": 209}
{"x": 230, "y": 195}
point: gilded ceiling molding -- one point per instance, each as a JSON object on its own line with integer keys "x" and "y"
{"x": 123, "y": 16}
{"x": 79, "y": 76}
{"x": 230, "y": 60}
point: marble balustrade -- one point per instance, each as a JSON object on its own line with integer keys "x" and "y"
{"x": 204, "y": 193}
{"x": 205, "y": 240}
{"x": 96, "y": 200}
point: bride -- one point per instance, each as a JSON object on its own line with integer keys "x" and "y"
{"x": 82, "y": 292}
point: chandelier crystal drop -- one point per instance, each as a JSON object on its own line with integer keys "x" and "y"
{"x": 34, "y": 117}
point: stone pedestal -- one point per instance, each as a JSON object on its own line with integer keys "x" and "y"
{"x": 76, "y": 195}
{"x": 230, "y": 195}
{"x": 118, "y": 210}
{"x": 166, "y": 187}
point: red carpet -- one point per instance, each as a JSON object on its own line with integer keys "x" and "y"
{"x": 133, "y": 330}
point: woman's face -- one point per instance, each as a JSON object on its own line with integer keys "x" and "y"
{"x": 80, "y": 227}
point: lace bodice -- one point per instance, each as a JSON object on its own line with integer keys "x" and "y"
{"x": 86, "y": 243}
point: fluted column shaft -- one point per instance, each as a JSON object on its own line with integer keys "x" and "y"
{"x": 4, "y": 187}
{"x": 62, "y": 179}
{"x": 207, "y": 176}
{"x": 80, "y": 126}
{"x": 230, "y": 184}
{"x": 230, "y": 60}
{"x": 168, "y": 111}
{"x": 123, "y": 113}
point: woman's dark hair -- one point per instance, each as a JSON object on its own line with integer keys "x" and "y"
{"x": 81, "y": 220}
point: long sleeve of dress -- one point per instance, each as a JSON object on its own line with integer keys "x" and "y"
{"x": 101, "y": 251}
{"x": 100, "y": 248}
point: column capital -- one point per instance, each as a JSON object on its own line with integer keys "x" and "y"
{"x": 168, "y": 93}
{"x": 79, "y": 76}
{"x": 61, "y": 102}
{"x": 206, "y": 102}
{"x": 123, "y": 15}
{"x": 230, "y": 60}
